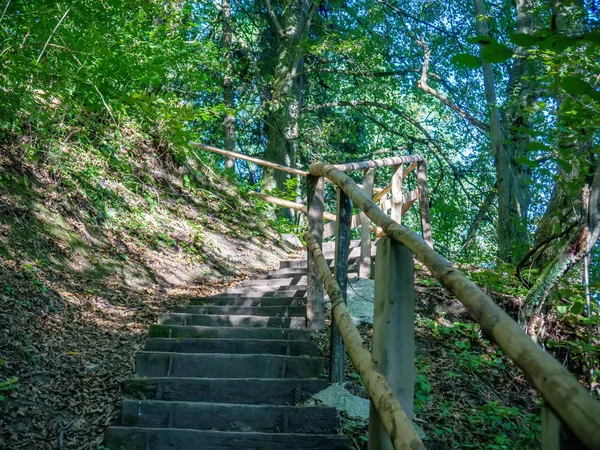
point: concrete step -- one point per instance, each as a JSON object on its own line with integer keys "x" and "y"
{"x": 301, "y": 271}
{"x": 178, "y": 331}
{"x": 239, "y": 301}
{"x": 272, "y": 311}
{"x": 223, "y": 320}
{"x": 354, "y": 252}
{"x": 330, "y": 245}
{"x": 329, "y": 256}
{"x": 134, "y": 438}
{"x": 295, "y": 291}
{"x": 276, "y": 391}
{"x": 301, "y": 263}
{"x": 296, "y": 280}
{"x": 266, "y": 294}
{"x": 230, "y": 417}
{"x": 233, "y": 346}
{"x": 215, "y": 365}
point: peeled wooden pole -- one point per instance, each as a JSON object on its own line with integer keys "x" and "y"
{"x": 393, "y": 161}
{"x": 315, "y": 305}
{"x": 386, "y": 190}
{"x": 393, "y": 417}
{"x": 337, "y": 356}
{"x": 288, "y": 204}
{"x": 576, "y": 408}
{"x": 249, "y": 158}
{"x": 364, "y": 261}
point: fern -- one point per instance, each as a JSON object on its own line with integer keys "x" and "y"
{"x": 9, "y": 384}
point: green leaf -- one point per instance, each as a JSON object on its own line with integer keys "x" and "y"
{"x": 526, "y": 161}
{"x": 496, "y": 53}
{"x": 556, "y": 229}
{"x": 576, "y": 86}
{"x": 561, "y": 309}
{"x": 466, "y": 61}
{"x": 537, "y": 146}
{"x": 481, "y": 40}
{"x": 577, "y": 308}
{"x": 523, "y": 40}
{"x": 565, "y": 165}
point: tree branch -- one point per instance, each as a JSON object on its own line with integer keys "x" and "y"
{"x": 485, "y": 206}
{"x": 403, "y": 13}
{"x": 382, "y": 74}
{"x": 407, "y": 118}
{"x": 454, "y": 107}
{"x": 52, "y": 34}
{"x": 273, "y": 17}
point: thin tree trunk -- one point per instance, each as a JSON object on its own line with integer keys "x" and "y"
{"x": 512, "y": 179}
{"x": 578, "y": 246}
{"x": 563, "y": 208}
{"x": 229, "y": 120}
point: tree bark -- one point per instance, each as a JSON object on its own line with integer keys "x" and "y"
{"x": 580, "y": 244}
{"x": 507, "y": 144}
{"x": 228, "y": 100}
{"x": 281, "y": 128}
{"x": 563, "y": 208}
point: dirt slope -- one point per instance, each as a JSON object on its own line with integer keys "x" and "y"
{"x": 93, "y": 244}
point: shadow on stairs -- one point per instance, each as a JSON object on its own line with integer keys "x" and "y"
{"x": 231, "y": 371}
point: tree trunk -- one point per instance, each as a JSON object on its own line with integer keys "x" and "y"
{"x": 281, "y": 128}
{"x": 229, "y": 120}
{"x": 507, "y": 145}
{"x": 558, "y": 258}
{"x": 564, "y": 206}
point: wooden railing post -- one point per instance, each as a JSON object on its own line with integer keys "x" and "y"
{"x": 364, "y": 265}
{"x": 393, "y": 331}
{"x": 555, "y": 435}
{"x": 397, "y": 199}
{"x": 342, "y": 253}
{"x": 315, "y": 306}
{"x": 424, "y": 202}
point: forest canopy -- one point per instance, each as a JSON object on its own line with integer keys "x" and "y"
{"x": 501, "y": 98}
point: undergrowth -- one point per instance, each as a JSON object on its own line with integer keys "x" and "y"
{"x": 99, "y": 231}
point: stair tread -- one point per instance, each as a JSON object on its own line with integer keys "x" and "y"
{"x": 159, "y": 364}
{"x": 272, "y": 311}
{"x": 279, "y": 391}
{"x": 244, "y": 301}
{"x": 231, "y": 320}
{"x": 196, "y": 331}
{"x": 133, "y": 438}
{"x": 229, "y": 416}
{"x": 216, "y": 345}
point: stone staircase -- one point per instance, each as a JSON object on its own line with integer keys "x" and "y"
{"x": 231, "y": 371}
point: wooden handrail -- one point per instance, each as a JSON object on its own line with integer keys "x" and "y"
{"x": 386, "y": 190}
{"x": 288, "y": 204}
{"x": 393, "y": 161}
{"x": 393, "y": 417}
{"x": 573, "y": 404}
{"x": 260, "y": 162}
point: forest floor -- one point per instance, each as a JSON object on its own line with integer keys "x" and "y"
{"x": 87, "y": 261}
{"x": 92, "y": 248}
{"x": 468, "y": 394}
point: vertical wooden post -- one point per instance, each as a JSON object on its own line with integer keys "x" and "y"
{"x": 315, "y": 306}
{"x": 555, "y": 435}
{"x": 393, "y": 331}
{"x": 342, "y": 253}
{"x": 424, "y": 202}
{"x": 364, "y": 266}
{"x": 397, "y": 199}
